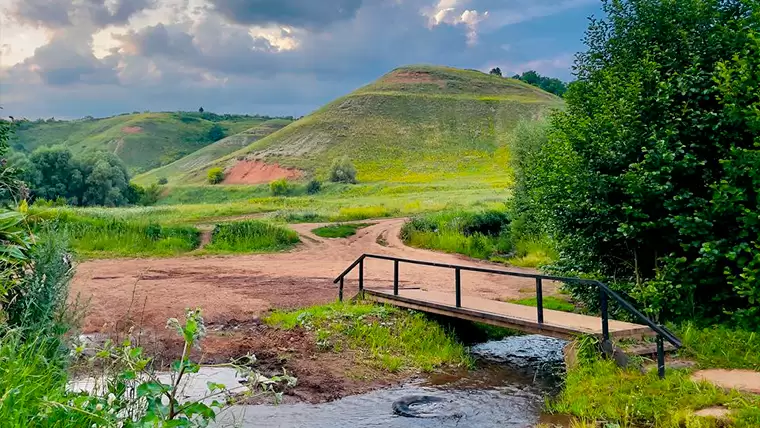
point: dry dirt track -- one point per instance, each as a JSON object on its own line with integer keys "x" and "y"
{"x": 125, "y": 292}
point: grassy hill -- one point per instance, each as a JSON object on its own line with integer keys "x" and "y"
{"x": 202, "y": 157}
{"x": 415, "y": 124}
{"x": 142, "y": 140}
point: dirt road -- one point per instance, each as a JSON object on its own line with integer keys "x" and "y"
{"x": 244, "y": 287}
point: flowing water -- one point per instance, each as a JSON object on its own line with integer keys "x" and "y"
{"x": 507, "y": 390}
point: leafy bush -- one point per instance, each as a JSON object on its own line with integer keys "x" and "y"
{"x": 215, "y": 175}
{"x": 44, "y": 203}
{"x": 162, "y": 181}
{"x": 251, "y": 236}
{"x": 343, "y": 171}
{"x": 650, "y": 174}
{"x": 280, "y": 187}
{"x": 313, "y": 187}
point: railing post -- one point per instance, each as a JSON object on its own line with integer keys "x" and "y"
{"x": 340, "y": 290}
{"x": 458, "y": 284}
{"x": 605, "y": 315}
{"x": 361, "y": 275}
{"x": 660, "y": 357}
{"x": 395, "y": 277}
{"x": 539, "y": 301}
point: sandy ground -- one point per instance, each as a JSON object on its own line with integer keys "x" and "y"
{"x": 258, "y": 172}
{"x": 234, "y": 291}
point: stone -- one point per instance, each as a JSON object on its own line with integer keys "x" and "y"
{"x": 717, "y": 412}
{"x": 740, "y": 380}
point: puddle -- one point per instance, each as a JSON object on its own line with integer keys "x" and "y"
{"x": 507, "y": 390}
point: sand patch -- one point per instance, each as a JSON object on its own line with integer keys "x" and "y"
{"x": 407, "y": 77}
{"x": 742, "y": 380}
{"x": 131, "y": 130}
{"x": 258, "y": 172}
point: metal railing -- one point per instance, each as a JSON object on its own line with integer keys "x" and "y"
{"x": 605, "y": 294}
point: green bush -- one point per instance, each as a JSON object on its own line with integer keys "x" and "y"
{"x": 343, "y": 171}
{"x": 215, "y": 175}
{"x": 280, "y": 187}
{"x": 650, "y": 174}
{"x": 313, "y": 187}
{"x": 162, "y": 181}
{"x": 251, "y": 236}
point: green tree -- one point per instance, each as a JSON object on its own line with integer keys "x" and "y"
{"x": 215, "y": 175}
{"x": 216, "y": 132}
{"x": 649, "y": 177}
{"x": 54, "y": 172}
{"x": 496, "y": 71}
{"x": 548, "y": 84}
{"x": 279, "y": 187}
{"x": 342, "y": 171}
{"x": 106, "y": 180}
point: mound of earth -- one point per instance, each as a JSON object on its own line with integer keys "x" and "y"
{"x": 258, "y": 172}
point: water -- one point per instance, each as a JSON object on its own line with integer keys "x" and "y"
{"x": 507, "y": 391}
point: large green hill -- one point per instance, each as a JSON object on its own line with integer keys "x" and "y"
{"x": 142, "y": 140}
{"x": 415, "y": 124}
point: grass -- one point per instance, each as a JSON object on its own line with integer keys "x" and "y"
{"x": 450, "y": 124}
{"x": 250, "y": 236}
{"x": 339, "y": 230}
{"x": 550, "y": 302}
{"x": 111, "y": 237}
{"x": 533, "y": 253}
{"x": 596, "y": 390}
{"x": 161, "y": 138}
{"x": 390, "y": 338}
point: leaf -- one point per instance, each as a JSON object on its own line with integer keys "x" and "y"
{"x": 152, "y": 389}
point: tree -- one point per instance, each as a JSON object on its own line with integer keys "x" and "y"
{"x": 548, "y": 84}
{"x": 54, "y": 172}
{"x": 200, "y": 110}
{"x": 216, "y": 132}
{"x": 313, "y": 187}
{"x": 11, "y": 188}
{"x": 649, "y": 176}
{"x": 106, "y": 180}
{"x": 279, "y": 187}
{"x": 495, "y": 71}
{"x": 215, "y": 175}
{"x": 162, "y": 181}
{"x": 343, "y": 171}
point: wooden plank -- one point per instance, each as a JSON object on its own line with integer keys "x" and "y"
{"x": 518, "y": 317}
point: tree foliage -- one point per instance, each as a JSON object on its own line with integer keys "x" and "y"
{"x": 496, "y": 71}
{"x": 216, "y": 132}
{"x": 650, "y": 176}
{"x": 343, "y": 171}
{"x": 215, "y": 175}
{"x": 548, "y": 84}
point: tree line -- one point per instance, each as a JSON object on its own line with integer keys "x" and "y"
{"x": 531, "y": 77}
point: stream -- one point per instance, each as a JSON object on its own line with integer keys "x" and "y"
{"x": 507, "y": 389}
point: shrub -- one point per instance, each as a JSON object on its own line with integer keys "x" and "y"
{"x": 280, "y": 187}
{"x": 313, "y": 187}
{"x": 251, "y": 236}
{"x": 343, "y": 171}
{"x": 162, "y": 181}
{"x": 215, "y": 175}
{"x": 150, "y": 195}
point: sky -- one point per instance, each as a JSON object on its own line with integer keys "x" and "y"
{"x": 76, "y": 58}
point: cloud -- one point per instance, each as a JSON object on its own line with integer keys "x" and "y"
{"x": 312, "y": 14}
{"x": 57, "y": 14}
{"x": 452, "y": 13}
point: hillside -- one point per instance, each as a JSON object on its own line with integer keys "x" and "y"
{"x": 202, "y": 157}
{"x": 142, "y": 140}
{"x": 415, "y": 124}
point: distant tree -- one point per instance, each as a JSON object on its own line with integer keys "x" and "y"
{"x": 313, "y": 187}
{"x": 162, "y": 181}
{"x": 215, "y": 175}
{"x": 200, "y": 110}
{"x": 496, "y": 71}
{"x": 106, "y": 180}
{"x": 548, "y": 84}
{"x": 279, "y": 187}
{"x": 216, "y": 132}
{"x": 343, "y": 171}
{"x": 54, "y": 172}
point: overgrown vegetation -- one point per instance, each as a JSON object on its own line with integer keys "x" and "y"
{"x": 548, "y": 84}
{"x": 648, "y": 177}
{"x": 343, "y": 171}
{"x": 251, "y": 236}
{"x": 215, "y": 175}
{"x": 390, "y": 338}
{"x": 598, "y": 390}
{"x": 339, "y": 230}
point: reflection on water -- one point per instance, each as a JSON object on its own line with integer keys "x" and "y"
{"x": 495, "y": 395}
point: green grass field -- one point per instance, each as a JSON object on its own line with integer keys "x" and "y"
{"x": 417, "y": 124}
{"x": 142, "y": 140}
{"x": 250, "y": 236}
{"x": 339, "y": 230}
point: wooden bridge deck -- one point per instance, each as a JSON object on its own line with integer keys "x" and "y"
{"x": 517, "y": 317}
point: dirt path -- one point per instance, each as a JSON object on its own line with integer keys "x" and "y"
{"x": 246, "y": 286}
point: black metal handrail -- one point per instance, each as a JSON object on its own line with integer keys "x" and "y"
{"x": 605, "y": 293}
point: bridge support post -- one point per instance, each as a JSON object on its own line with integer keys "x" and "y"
{"x": 395, "y": 277}
{"x": 458, "y": 286}
{"x": 361, "y": 276}
{"x": 340, "y": 290}
{"x": 540, "y": 301}
{"x": 605, "y": 315}
{"x": 660, "y": 357}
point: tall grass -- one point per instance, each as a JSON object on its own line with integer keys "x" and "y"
{"x": 110, "y": 237}
{"x": 475, "y": 234}
{"x": 388, "y": 337}
{"x": 251, "y": 236}
{"x": 339, "y": 230}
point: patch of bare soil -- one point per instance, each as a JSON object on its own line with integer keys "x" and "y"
{"x": 131, "y": 130}
{"x": 741, "y": 380}
{"x": 258, "y": 172}
{"x": 141, "y": 294}
{"x": 412, "y": 77}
